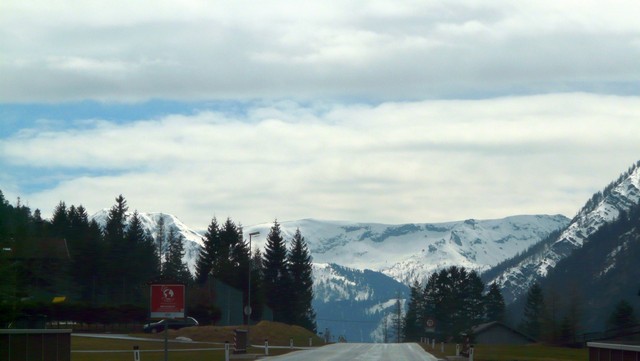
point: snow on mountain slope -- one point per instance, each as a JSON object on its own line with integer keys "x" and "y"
{"x": 353, "y": 303}
{"x": 413, "y": 251}
{"x": 193, "y": 240}
{"x": 602, "y": 208}
{"x": 381, "y": 259}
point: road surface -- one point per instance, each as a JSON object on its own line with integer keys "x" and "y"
{"x": 360, "y": 351}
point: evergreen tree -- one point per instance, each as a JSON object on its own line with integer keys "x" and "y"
{"x": 161, "y": 235}
{"x": 276, "y": 275}
{"x": 472, "y": 301}
{"x": 144, "y": 264}
{"x": 87, "y": 254}
{"x": 89, "y": 263}
{"x": 454, "y": 298}
{"x": 114, "y": 236}
{"x": 534, "y": 311}
{"x": 233, "y": 265}
{"x": 174, "y": 268}
{"x": 413, "y": 324}
{"x": 301, "y": 269}
{"x": 60, "y": 221}
{"x": 622, "y": 316}
{"x": 494, "y": 304}
{"x": 257, "y": 287}
{"x": 396, "y": 322}
{"x": 209, "y": 253}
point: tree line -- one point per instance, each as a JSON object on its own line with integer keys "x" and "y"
{"x": 100, "y": 268}
{"x": 281, "y": 278}
{"x": 450, "y": 304}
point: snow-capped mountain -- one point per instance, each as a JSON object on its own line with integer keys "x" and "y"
{"x": 604, "y": 207}
{"x": 353, "y": 303}
{"x": 362, "y": 268}
{"x": 414, "y": 251}
{"x": 193, "y": 240}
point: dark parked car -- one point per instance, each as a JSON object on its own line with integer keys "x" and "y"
{"x": 172, "y": 324}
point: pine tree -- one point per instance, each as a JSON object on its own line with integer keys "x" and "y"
{"x": 454, "y": 298}
{"x": 173, "y": 267}
{"x": 622, "y": 316}
{"x": 301, "y": 269}
{"x": 209, "y": 253}
{"x": 114, "y": 236}
{"x": 161, "y": 235}
{"x": 276, "y": 275}
{"x": 257, "y": 286}
{"x": 472, "y": 300}
{"x": 233, "y": 265}
{"x": 494, "y": 304}
{"x": 534, "y": 310}
{"x": 396, "y": 322}
{"x": 412, "y": 318}
{"x": 89, "y": 263}
{"x": 144, "y": 262}
{"x": 60, "y": 221}
{"x": 87, "y": 254}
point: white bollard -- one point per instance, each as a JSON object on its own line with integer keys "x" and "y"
{"x": 291, "y": 343}
{"x": 136, "y": 353}
{"x": 226, "y": 351}
{"x": 310, "y": 342}
{"x": 457, "y": 349}
{"x": 471, "y": 353}
{"x": 266, "y": 347}
{"x": 442, "y": 347}
{"x": 433, "y": 344}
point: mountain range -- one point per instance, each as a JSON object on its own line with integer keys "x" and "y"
{"x": 360, "y": 269}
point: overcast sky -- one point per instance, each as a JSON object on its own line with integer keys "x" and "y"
{"x": 378, "y": 111}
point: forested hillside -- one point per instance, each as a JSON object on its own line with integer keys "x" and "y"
{"x": 596, "y": 277}
{"x": 101, "y": 273}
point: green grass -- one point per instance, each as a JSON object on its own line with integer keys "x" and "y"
{"x": 533, "y": 352}
{"x": 278, "y": 334}
{"x": 93, "y": 344}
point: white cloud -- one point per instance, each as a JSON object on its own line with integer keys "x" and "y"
{"x": 123, "y": 51}
{"x": 398, "y": 162}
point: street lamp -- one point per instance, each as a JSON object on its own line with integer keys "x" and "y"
{"x": 247, "y": 310}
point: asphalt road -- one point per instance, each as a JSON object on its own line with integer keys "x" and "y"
{"x": 361, "y": 351}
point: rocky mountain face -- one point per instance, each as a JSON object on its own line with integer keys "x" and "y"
{"x": 516, "y": 275}
{"x": 413, "y": 251}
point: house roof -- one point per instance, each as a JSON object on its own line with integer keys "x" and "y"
{"x": 486, "y": 326}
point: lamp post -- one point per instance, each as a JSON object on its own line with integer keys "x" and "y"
{"x": 247, "y": 310}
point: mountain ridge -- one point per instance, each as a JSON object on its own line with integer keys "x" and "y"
{"x": 602, "y": 208}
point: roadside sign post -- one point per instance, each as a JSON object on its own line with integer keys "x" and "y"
{"x": 167, "y": 301}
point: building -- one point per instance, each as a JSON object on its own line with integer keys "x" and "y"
{"x": 600, "y": 351}
{"x": 499, "y": 333}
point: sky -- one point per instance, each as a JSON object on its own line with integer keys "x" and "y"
{"x": 364, "y": 111}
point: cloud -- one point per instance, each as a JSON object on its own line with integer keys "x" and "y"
{"x": 121, "y": 51}
{"x": 394, "y": 162}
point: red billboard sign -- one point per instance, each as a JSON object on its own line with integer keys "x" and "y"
{"x": 167, "y": 301}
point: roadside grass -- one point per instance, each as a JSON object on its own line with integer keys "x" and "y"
{"x": 214, "y": 337}
{"x": 533, "y": 352}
